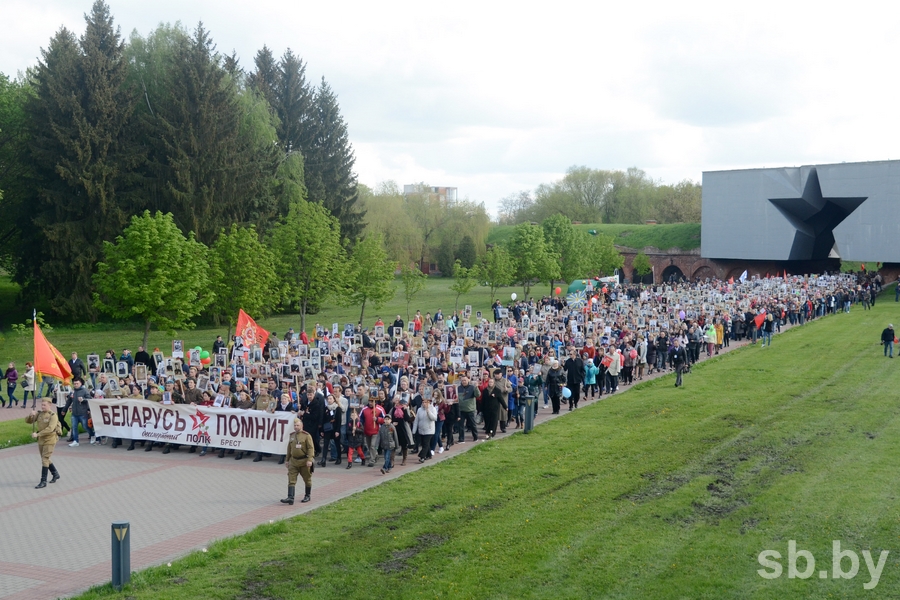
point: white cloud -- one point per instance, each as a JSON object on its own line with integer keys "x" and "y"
{"x": 494, "y": 98}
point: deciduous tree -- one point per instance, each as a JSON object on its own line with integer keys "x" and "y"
{"x": 243, "y": 275}
{"x": 496, "y": 269}
{"x": 604, "y": 258}
{"x": 641, "y": 264}
{"x": 569, "y": 244}
{"x": 532, "y": 261}
{"x": 309, "y": 256}
{"x": 414, "y": 282}
{"x": 154, "y": 272}
{"x": 372, "y": 276}
{"x": 463, "y": 281}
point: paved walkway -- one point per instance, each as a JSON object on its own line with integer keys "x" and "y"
{"x": 56, "y": 541}
{"x": 16, "y": 412}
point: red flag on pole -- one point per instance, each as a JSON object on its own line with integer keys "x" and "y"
{"x": 47, "y": 359}
{"x": 758, "y": 319}
{"x": 249, "y": 331}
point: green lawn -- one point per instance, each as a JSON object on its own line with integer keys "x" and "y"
{"x": 15, "y": 433}
{"x": 655, "y": 493}
{"x": 685, "y": 236}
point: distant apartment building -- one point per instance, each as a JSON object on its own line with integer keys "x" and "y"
{"x": 445, "y": 194}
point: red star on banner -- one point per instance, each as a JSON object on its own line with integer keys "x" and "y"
{"x": 199, "y": 420}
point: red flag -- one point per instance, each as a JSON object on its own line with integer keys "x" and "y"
{"x": 785, "y": 273}
{"x": 249, "y": 331}
{"x": 862, "y": 267}
{"x": 47, "y": 359}
{"x": 758, "y": 319}
{"x": 731, "y": 281}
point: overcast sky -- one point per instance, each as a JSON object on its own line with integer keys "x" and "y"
{"x": 497, "y": 97}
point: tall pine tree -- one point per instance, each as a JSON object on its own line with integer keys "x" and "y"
{"x": 16, "y": 168}
{"x": 265, "y": 78}
{"x": 310, "y": 122}
{"x": 329, "y": 165}
{"x": 294, "y": 104}
{"x": 84, "y": 155}
{"x": 213, "y": 159}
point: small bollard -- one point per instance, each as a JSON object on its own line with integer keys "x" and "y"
{"x": 121, "y": 554}
{"x": 529, "y": 413}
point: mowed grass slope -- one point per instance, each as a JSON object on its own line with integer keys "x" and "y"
{"x": 655, "y": 493}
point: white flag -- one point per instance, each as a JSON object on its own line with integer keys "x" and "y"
{"x": 743, "y": 276}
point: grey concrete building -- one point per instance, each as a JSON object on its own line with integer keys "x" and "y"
{"x": 810, "y": 213}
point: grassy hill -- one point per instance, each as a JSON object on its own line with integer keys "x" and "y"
{"x": 685, "y": 236}
{"x": 659, "y": 492}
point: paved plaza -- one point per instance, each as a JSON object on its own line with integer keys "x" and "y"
{"x": 56, "y": 541}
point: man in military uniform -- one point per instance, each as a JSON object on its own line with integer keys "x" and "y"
{"x": 300, "y": 452}
{"x": 264, "y": 401}
{"x": 46, "y": 433}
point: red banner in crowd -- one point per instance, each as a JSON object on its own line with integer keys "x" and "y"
{"x": 247, "y": 430}
{"x": 249, "y": 331}
{"x": 47, "y": 359}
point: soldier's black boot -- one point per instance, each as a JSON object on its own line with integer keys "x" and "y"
{"x": 55, "y": 473}
{"x": 258, "y": 457}
{"x": 290, "y": 496}
{"x": 239, "y": 456}
{"x": 306, "y": 497}
{"x": 130, "y": 446}
{"x": 192, "y": 449}
{"x": 149, "y": 447}
{"x": 167, "y": 449}
{"x": 222, "y": 453}
{"x": 43, "y": 482}
{"x": 116, "y": 442}
{"x": 281, "y": 460}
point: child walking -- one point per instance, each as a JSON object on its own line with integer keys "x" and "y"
{"x": 388, "y": 442}
{"x": 355, "y": 438}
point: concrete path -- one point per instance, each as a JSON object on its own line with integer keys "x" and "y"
{"x": 56, "y": 541}
{"x": 16, "y": 412}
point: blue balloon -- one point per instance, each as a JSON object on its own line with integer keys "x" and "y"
{"x": 567, "y": 393}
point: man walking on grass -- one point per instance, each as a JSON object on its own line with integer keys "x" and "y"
{"x": 677, "y": 358}
{"x": 887, "y": 340}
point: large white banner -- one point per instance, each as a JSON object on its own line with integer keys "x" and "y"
{"x": 247, "y": 430}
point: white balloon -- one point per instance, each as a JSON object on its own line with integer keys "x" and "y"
{"x": 513, "y": 296}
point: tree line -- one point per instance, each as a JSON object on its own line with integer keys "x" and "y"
{"x": 605, "y": 196}
{"x": 102, "y": 130}
{"x": 552, "y": 252}
{"x": 421, "y": 226}
{"x": 155, "y": 273}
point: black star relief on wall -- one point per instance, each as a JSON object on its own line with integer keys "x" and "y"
{"x": 814, "y": 218}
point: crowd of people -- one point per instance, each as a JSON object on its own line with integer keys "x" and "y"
{"x": 364, "y": 394}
